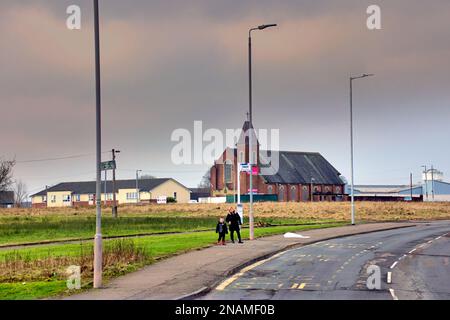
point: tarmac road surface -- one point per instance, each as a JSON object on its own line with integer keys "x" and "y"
{"x": 417, "y": 258}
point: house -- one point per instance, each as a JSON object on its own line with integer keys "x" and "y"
{"x": 6, "y": 199}
{"x": 73, "y": 194}
{"x": 300, "y": 176}
{"x": 197, "y": 193}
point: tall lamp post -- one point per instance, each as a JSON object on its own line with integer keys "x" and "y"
{"x": 351, "y": 143}
{"x": 137, "y": 185}
{"x": 98, "y": 190}
{"x": 426, "y": 181}
{"x": 250, "y": 149}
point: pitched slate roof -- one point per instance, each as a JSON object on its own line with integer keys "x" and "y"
{"x": 88, "y": 187}
{"x": 6, "y": 197}
{"x": 301, "y": 167}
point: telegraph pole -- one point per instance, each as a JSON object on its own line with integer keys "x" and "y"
{"x": 411, "y": 184}
{"x": 114, "y": 208}
{"x": 137, "y": 185}
{"x": 432, "y": 183}
{"x": 426, "y": 181}
{"x": 98, "y": 254}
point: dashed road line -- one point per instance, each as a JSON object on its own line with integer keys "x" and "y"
{"x": 302, "y": 286}
{"x": 393, "y": 294}
{"x": 393, "y": 265}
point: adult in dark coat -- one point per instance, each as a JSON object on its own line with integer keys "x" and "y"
{"x": 235, "y": 223}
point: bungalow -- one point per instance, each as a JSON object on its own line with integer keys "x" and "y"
{"x": 73, "y": 194}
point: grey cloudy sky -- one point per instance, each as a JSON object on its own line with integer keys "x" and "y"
{"x": 168, "y": 63}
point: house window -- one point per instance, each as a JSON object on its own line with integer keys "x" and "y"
{"x": 53, "y": 199}
{"x": 131, "y": 195}
{"x": 66, "y": 198}
{"x": 91, "y": 197}
{"x": 327, "y": 189}
{"x": 77, "y": 198}
{"x": 228, "y": 172}
{"x": 109, "y": 196}
{"x": 270, "y": 189}
{"x": 338, "y": 189}
{"x": 44, "y": 198}
{"x": 175, "y": 195}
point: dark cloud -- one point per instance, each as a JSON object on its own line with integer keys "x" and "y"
{"x": 168, "y": 63}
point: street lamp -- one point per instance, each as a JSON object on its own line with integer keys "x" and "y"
{"x": 351, "y": 142}
{"x": 137, "y": 185}
{"x": 426, "y": 181}
{"x": 98, "y": 259}
{"x": 250, "y": 142}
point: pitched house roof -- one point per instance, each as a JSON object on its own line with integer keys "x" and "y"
{"x": 303, "y": 168}
{"x": 88, "y": 187}
{"x": 6, "y": 198}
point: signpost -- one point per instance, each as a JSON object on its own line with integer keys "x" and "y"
{"x": 108, "y": 165}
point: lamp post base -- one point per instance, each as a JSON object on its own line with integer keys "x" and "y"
{"x": 98, "y": 261}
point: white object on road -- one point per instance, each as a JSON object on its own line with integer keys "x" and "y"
{"x": 295, "y": 235}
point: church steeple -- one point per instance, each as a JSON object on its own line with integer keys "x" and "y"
{"x": 243, "y": 144}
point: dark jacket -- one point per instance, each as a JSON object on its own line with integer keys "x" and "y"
{"x": 234, "y": 220}
{"x": 222, "y": 228}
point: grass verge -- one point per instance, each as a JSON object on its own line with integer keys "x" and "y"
{"x": 35, "y": 273}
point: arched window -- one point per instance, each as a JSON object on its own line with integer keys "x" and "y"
{"x": 305, "y": 193}
{"x": 338, "y": 189}
{"x": 293, "y": 193}
{"x": 228, "y": 171}
{"x": 270, "y": 189}
{"x": 281, "y": 193}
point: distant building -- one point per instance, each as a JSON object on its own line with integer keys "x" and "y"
{"x": 6, "y": 199}
{"x": 388, "y": 193}
{"x": 197, "y": 193}
{"x": 73, "y": 194}
{"x": 432, "y": 188}
{"x": 302, "y": 176}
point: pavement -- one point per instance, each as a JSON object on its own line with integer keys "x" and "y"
{"x": 417, "y": 260}
{"x": 195, "y": 273}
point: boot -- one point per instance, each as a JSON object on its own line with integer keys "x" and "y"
{"x": 223, "y": 243}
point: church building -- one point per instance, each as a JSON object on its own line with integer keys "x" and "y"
{"x": 301, "y": 176}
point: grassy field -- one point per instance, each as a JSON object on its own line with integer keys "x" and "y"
{"x": 338, "y": 211}
{"x": 37, "y": 272}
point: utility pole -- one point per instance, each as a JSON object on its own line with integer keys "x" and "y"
{"x": 137, "y": 185}
{"x": 114, "y": 208}
{"x": 106, "y": 179}
{"x": 432, "y": 183}
{"x": 411, "y": 184}
{"x": 98, "y": 250}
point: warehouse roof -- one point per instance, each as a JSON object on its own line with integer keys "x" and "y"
{"x": 88, "y": 187}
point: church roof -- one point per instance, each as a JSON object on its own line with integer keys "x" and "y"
{"x": 302, "y": 168}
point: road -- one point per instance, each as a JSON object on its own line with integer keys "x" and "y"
{"x": 417, "y": 258}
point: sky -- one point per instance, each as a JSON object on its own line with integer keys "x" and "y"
{"x": 167, "y": 63}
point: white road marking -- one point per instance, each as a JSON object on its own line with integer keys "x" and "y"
{"x": 389, "y": 277}
{"x": 393, "y": 294}
{"x": 412, "y": 250}
{"x": 394, "y": 264}
{"x": 438, "y": 237}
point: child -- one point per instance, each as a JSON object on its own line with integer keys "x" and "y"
{"x": 222, "y": 230}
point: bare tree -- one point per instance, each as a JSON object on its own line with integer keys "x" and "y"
{"x": 20, "y": 193}
{"x": 206, "y": 180}
{"x": 148, "y": 176}
{"x": 6, "y": 174}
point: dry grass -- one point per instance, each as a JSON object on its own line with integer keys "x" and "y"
{"x": 118, "y": 257}
{"x": 339, "y": 211}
